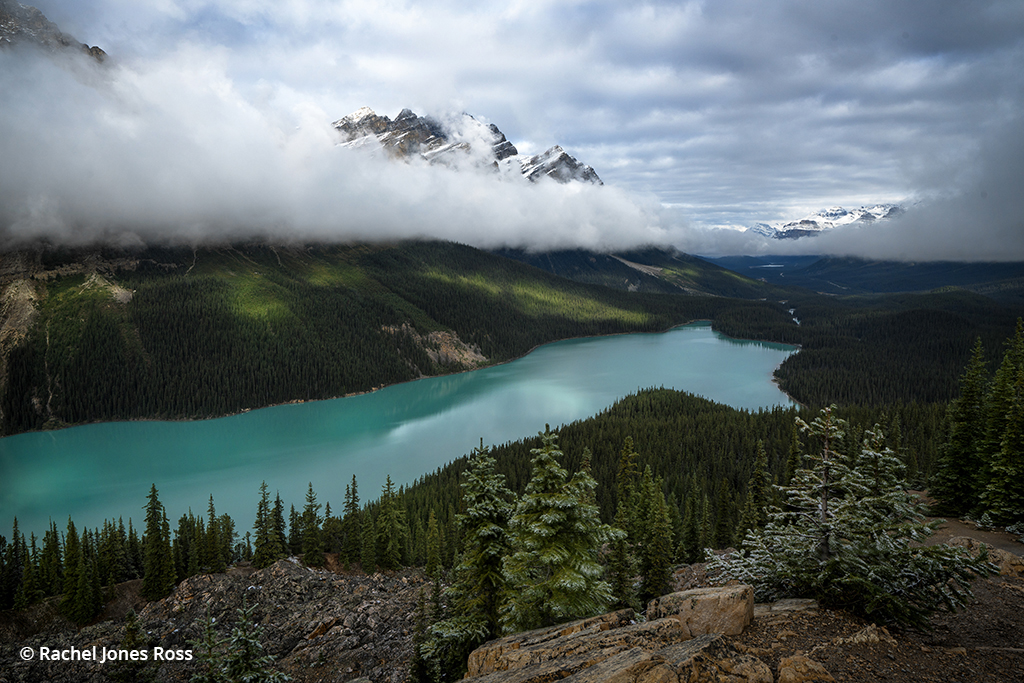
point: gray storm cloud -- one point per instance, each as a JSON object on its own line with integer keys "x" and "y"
{"x": 212, "y": 121}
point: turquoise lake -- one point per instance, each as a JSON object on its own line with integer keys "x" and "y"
{"x": 102, "y": 471}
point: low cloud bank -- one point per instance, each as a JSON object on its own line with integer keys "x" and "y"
{"x": 172, "y": 151}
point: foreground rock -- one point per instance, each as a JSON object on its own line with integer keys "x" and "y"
{"x": 681, "y": 641}
{"x": 317, "y": 625}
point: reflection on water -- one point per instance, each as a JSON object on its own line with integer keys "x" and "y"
{"x": 105, "y": 470}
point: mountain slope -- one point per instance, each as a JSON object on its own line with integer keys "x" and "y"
{"x": 647, "y": 270}
{"x": 174, "y": 333}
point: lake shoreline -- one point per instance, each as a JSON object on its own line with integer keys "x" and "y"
{"x": 409, "y": 381}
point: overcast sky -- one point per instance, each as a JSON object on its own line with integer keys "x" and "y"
{"x": 212, "y": 117}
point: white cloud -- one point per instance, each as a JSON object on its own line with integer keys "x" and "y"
{"x": 737, "y": 110}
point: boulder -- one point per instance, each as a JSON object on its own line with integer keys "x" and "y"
{"x": 705, "y": 659}
{"x": 800, "y": 669}
{"x": 727, "y": 609}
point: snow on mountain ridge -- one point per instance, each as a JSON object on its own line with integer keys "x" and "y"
{"x": 441, "y": 141}
{"x": 825, "y": 220}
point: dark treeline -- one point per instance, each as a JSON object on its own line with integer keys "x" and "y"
{"x": 703, "y": 452}
{"x": 980, "y": 470}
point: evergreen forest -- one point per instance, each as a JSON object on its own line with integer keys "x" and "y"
{"x": 898, "y": 392}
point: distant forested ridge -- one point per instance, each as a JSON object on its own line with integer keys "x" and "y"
{"x": 167, "y": 333}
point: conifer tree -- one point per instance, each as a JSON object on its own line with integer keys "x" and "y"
{"x": 1004, "y": 495}
{"x": 759, "y": 491}
{"x": 691, "y": 549}
{"x": 216, "y": 558}
{"x": 656, "y": 545}
{"x": 956, "y": 481}
{"x": 552, "y": 574}
{"x": 352, "y": 545}
{"x": 391, "y": 528}
{"x": 622, "y": 563}
{"x": 368, "y": 555}
{"x": 478, "y": 583}
{"x": 51, "y": 564}
{"x": 72, "y": 567}
{"x": 312, "y": 539}
{"x": 433, "y": 548}
{"x": 245, "y": 658}
{"x": 850, "y": 537}
{"x": 158, "y": 561}
{"x": 30, "y": 591}
{"x": 294, "y": 532}
{"x": 269, "y": 542}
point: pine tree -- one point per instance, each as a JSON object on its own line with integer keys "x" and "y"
{"x": 851, "y": 537}
{"x": 72, "y": 567}
{"x": 158, "y": 560}
{"x": 956, "y": 481}
{"x": 656, "y": 544}
{"x": 1004, "y": 495}
{"x": 691, "y": 549}
{"x": 269, "y": 543}
{"x": 759, "y": 491}
{"x": 553, "y": 574}
{"x": 352, "y": 545}
{"x": 312, "y": 539}
{"x": 433, "y": 548}
{"x": 622, "y": 563}
{"x": 478, "y": 583}
{"x": 245, "y": 659}
{"x": 391, "y": 528}
{"x": 368, "y": 555}
{"x": 51, "y": 564}
{"x": 215, "y": 555}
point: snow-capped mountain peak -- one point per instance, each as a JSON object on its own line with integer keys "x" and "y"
{"x": 825, "y": 220}
{"x": 438, "y": 140}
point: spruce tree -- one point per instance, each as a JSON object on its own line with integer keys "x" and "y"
{"x": 352, "y": 544}
{"x": 391, "y": 528}
{"x": 433, "y": 548}
{"x": 245, "y": 659}
{"x": 622, "y": 564}
{"x": 216, "y": 558}
{"x": 851, "y": 538}
{"x": 1004, "y": 495}
{"x": 158, "y": 561}
{"x": 368, "y": 555}
{"x": 312, "y": 538}
{"x": 269, "y": 542}
{"x": 478, "y": 582}
{"x": 956, "y": 481}
{"x": 759, "y": 491}
{"x": 51, "y": 564}
{"x": 553, "y": 574}
{"x": 656, "y": 544}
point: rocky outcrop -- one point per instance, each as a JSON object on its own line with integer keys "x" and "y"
{"x": 726, "y": 610}
{"x": 682, "y": 640}
{"x": 24, "y": 24}
{"x": 439, "y": 141}
{"x": 317, "y": 625}
{"x": 800, "y": 669}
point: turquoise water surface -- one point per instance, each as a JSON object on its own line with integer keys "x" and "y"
{"x": 102, "y": 471}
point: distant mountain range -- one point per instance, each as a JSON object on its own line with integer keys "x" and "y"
{"x": 455, "y": 140}
{"x": 825, "y": 220}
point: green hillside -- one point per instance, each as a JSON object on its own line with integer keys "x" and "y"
{"x": 177, "y": 333}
